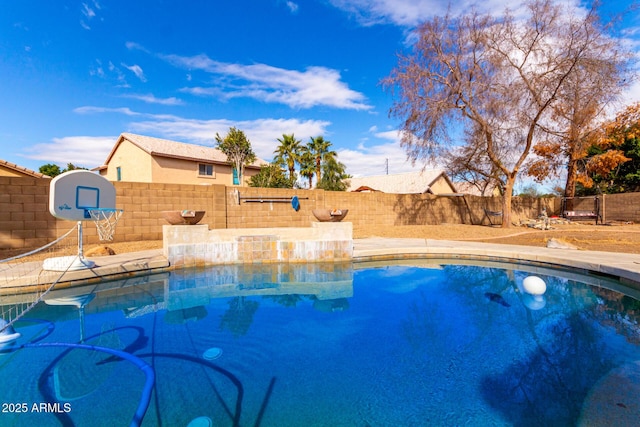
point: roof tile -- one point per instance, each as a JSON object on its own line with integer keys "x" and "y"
{"x": 401, "y": 183}
{"x": 168, "y": 148}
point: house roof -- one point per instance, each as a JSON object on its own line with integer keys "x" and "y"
{"x": 401, "y": 183}
{"x": 22, "y": 169}
{"x": 469, "y": 188}
{"x": 175, "y": 150}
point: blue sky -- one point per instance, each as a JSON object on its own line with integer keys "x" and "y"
{"x": 76, "y": 74}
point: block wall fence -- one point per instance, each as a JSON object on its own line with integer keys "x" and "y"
{"x": 25, "y": 221}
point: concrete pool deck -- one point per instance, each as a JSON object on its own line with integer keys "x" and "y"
{"x": 618, "y": 265}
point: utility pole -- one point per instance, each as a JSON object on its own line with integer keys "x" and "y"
{"x": 386, "y": 165}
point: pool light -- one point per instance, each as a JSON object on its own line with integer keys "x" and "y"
{"x": 212, "y": 353}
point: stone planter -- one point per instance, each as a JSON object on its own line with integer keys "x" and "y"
{"x": 330, "y": 215}
{"x": 185, "y": 217}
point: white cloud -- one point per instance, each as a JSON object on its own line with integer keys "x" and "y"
{"x": 293, "y": 7}
{"x": 151, "y": 99}
{"x": 263, "y": 133}
{"x": 137, "y": 70}
{"x": 410, "y": 13}
{"x": 135, "y": 46}
{"x": 400, "y": 12}
{"x": 315, "y": 86}
{"x": 92, "y": 151}
{"x": 632, "y": 95}
{"x": 96, "y": 110}
{"x": 109, "y": 72}
{"x": 83, "y": 151}
{"x": 88, "y": 12}
{"x": 378, "y": 158}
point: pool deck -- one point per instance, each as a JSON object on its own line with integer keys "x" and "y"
{"x": 619, "y": 265}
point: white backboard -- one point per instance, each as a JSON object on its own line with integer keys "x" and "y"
{"x": 73, "y": 192}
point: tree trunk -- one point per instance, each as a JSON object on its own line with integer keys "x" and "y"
{"x": 318, "y": 170}
{"x": 239, "y": 169}
{"x": 506, "y": 202}
{"x": 570, "y": 186}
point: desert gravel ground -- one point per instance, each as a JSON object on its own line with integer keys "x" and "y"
{"x": 618, "y": 237}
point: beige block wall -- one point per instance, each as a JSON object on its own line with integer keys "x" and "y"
{"x": 621, "y": 207}
{"x": 143, "y": 204}
{"x": 25, "y": 221}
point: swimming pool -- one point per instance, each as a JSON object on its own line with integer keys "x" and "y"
{"x": 381, "y": 344}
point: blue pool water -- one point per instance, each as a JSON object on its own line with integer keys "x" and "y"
{"x": 413, "y": 344}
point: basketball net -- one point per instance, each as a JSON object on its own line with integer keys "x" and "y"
{"x": 105, "y": 220}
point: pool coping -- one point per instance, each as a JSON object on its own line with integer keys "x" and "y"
{"x": 622, "y": 266}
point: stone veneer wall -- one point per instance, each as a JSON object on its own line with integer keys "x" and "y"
{"x": 196, "y": 245}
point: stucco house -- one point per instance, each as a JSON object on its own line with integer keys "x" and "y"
{"x": 432, "y": 181}
{"x": 138, "y": 158}
{"x": 13, "y": 170}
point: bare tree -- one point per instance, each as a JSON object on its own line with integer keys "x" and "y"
{"x": 498, "y": 77}
{"x": 598, "y": 80}
{"x": 470, "y": 164}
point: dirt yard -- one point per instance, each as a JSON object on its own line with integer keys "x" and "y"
{"x": 611, "y": 238}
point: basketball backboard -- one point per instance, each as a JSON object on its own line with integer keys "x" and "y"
{"x": 73, "y": 192}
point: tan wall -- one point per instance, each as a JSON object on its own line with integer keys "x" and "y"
{"x": 621, "y": 207}
{"x": 25, "y": 221}
{"x": 10, "y": 172}
{"x": 138, "y": 166}
{"x": 167, "y": 170}
{"x": 135, "y": 164}
{"x": 441, "y": 186}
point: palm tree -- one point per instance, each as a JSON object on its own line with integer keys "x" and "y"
{"x": 335, "y": 176}
{"x": 320, "y": 148}
{"x": 307, "y": 165}
{"x": 288, "y": 154}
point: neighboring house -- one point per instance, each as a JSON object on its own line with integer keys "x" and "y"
{"x": 13, "y": 170}
{"x": 434, "y": 181}
{"x": 473, "y": 190}
{"x": 138, "y": 158}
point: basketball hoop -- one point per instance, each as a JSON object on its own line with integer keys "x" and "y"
{"x": 105, "y": 220}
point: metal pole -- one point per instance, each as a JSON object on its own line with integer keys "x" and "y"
{"x": 80, "y": 247}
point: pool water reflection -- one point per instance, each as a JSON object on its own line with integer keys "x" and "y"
{"x": 328, "y": 345}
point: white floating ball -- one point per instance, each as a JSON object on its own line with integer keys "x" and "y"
{"x": 534, "y": 285}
